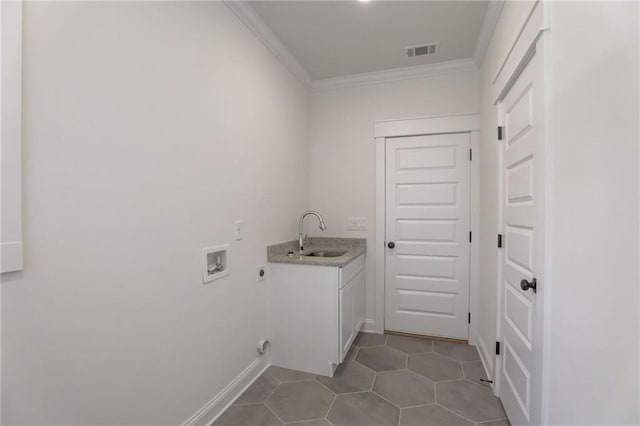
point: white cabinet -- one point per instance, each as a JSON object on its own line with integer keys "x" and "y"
{"x": 351, "y": 312}
{"x": 316, "y": 313}
{"x": 358, "y": 302}
{"x": 346, "y": 319}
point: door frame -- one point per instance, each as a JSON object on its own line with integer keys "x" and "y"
{"x": 424, "y": 126}
{"x": 534, "y": 38}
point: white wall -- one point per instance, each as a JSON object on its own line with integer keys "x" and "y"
{"x": 149, "y": 128}
{"x": 593, "y": 337}
{"x": 512, "y": 18}
{"x": 593, "y": 353}
{"x": 342, "y": 152}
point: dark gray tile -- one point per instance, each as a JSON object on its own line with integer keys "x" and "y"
{"x": 254, "y": 415}
{"x": 469, "y": 400}
{"x": 369, "y": 339}
{"x": 410, "y": 345}
{"x": 259, "y": 390}
{"x": 457, "y": 351}
{"x": 474, "y": 371}
{"x": 404, "y": 388}
{"x": 350, "y": 356}
{"x": 435, "y": 367}
{"x": 430, "y": 415}
{"x": 381, "y": 358}
{"x": 504, "y": 422}
{"x": 285, "y": 375}
{"x": 362, "y": 409}
{"x": 296, "y": 401}
{"x": 349, "y": 377}
{"x": 320, "y": 422}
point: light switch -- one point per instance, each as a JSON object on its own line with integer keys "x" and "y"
{"x": 356, "y": 223}
{"x": 239, "y": 230}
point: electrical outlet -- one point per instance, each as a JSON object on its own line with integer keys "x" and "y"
{"x": 239, "y": 230}
{"x": 356, "y": 223}
{"x": 261, "y": 273}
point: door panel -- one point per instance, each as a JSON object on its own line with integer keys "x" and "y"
{"x": 426, "y": 194}
{"x": 346, "y": 318}
{"x": 426, "y": 230}
{"x": 358, "y": 301}
{"x": 523, "y": 249}
{"x": 427, "y": 217}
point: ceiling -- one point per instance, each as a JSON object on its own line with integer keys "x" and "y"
{"x": 339, "y": 38}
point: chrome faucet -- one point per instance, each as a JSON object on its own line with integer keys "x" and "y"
{"x": 301, "y": 221}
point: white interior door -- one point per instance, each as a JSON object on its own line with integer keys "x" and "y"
{"x": 427, "y": 235}
{"x": 522, "y": 206}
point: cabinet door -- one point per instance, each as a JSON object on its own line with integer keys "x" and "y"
{"x": 358, "y": 301}
{"x": 346, "y": 318}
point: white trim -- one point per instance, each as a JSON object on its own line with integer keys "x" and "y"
{"x": 485, "y": 357}
{"x": 474, "y": 223}
{"x": 11, "y": 136}
{"x": 537, "y": 22}
{"x": 369, "y": 326}
{"x": 530, "y": 41}
{"x": 547, "y": 324}
{"x": 457, "y": 123}
{"x": 491, "y": 16}
{"x": 227, "y": 396}
{"x": 383, "y": 129}
{"x": 497, "y": 386}
{"x": 251, "y": 20}
{"x": 261, "y": 30}
{"x": 1, "y": 39}
{"x": 11, "y": 255}
{"x": 379, "y": 237}
{"x": 396, "y": 74}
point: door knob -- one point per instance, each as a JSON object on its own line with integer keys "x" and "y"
{"x": 391, "y": 244}
{"x": 526, "y": 285}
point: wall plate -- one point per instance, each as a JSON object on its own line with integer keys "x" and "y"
{"x": 262, "y": 277}
{"x": 215, "y": 262}
{"x": 356, "y": 223}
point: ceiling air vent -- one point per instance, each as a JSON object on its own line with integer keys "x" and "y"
{"x": 426, "y": 49}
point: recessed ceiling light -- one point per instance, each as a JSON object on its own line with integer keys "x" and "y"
{"x": 363, "y": 1}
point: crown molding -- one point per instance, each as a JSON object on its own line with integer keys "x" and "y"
{"x": 251, "y": 20}
{"x": 491, "y": 16}
{"x": 257, "y": 26}
{"x": 406, "y": 73}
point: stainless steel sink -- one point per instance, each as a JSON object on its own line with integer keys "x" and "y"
{"x": 326, "y": 253}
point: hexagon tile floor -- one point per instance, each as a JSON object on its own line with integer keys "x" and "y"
{"x": 385, "y": 380}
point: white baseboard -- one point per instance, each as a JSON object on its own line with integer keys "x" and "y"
{"x": 369, "y": 326}
{"x": 485, "y": 357}
{"x": 227, "y": 396}
{"x": 11, "y": 254}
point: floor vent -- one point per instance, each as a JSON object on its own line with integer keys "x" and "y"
{"x": 427, "y": 49}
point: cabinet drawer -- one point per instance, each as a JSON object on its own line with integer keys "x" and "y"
{"x": 351, "y": 270}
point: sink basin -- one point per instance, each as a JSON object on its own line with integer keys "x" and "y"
{"x": 326, "y": 253}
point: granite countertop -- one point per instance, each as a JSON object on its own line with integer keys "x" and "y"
{"x": 354, "y": 248}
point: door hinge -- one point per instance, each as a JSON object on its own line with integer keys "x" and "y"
{"x": 499, "y": 133}
{"x": 499, "y": 240}
{"x": 470, "y": 155}
{"x": 469, "y": 318}
{"x": 470, "y": 239}
{"x": 497, "y": 348}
